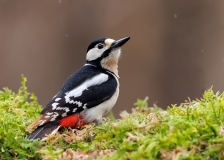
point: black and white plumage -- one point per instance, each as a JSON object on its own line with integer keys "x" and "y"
{"x": 87, "y": 95}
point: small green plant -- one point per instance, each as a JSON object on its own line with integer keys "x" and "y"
{"x": 16, "y": 113}
{"x": 192, "y": 130}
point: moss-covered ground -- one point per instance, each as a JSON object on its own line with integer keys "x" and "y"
{"x": 192, "y": 130}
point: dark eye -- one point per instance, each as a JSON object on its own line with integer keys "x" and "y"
{"x": 100, "y": 46}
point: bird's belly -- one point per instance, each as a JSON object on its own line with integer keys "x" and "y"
{"x": 96, "y": 113}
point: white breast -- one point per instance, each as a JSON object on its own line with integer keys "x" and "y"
{"x": 96, "y": 113}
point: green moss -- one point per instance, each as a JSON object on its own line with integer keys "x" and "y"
{"x": 193, "y": 130}
{"x": 16, "y": 114}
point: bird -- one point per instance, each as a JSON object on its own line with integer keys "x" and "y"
{"x": 87, "y": 95}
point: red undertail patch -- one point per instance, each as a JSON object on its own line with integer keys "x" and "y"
{"x": 73, "y": 121}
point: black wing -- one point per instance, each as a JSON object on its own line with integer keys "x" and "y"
{"x": 90, "y": 97}
{"x": 77, "y": 78}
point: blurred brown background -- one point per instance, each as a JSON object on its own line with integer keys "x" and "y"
{"x": 176, "y": 48}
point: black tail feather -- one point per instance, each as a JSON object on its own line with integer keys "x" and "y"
{"x": 44, "y": 130}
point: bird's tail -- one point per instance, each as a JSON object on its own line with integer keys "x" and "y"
{"x": 44, "y": 130}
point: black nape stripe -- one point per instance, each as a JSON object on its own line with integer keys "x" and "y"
{"x": 104, "y": 70}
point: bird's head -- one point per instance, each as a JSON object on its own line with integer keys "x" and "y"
{"x": 105, "y": 53}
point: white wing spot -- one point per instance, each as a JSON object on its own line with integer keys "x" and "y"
{"x": 78, "y": 103}
{"x": 84, "y": 107}
{"x": 57, "y": 99}
{"x": 74, "y": 109}
{"x": 55, "y": 115}
{"x": 54, "y": 105}
{"x": 42, "y": 122}
{"x": 75, "y": 102}
{"x": 49, "y": 113}
{"x": 66, "y": 109}
{"x": 64, "y": 114}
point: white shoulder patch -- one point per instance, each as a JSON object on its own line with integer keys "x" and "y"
{"x": 95, "y": 53}
{"x": 76, "y": 92}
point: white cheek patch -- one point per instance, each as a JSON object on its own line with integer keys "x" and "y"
{"x": 94, "y": 54}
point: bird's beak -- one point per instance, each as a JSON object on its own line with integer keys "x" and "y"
{"x": 119, "y": 43}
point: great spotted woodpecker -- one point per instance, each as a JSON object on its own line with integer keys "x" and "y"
{"x": 87, "y": 95}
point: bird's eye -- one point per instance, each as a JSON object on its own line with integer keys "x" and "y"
{"x": 100, "y": 46}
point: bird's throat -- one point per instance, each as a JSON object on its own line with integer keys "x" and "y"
{"x": 111, "y": 65}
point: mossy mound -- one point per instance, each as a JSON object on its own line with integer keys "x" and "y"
{"x": 193, "y": 130}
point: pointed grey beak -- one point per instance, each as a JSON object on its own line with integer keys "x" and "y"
{"x": 119, "y": 43}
